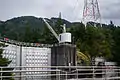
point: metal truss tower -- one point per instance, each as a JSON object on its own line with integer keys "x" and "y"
{"x": 91, "y": 11}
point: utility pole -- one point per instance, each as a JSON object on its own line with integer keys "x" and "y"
{"x": 91, "y": 11}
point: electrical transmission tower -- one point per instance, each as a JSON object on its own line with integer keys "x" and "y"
{"x": 91, "y": 12}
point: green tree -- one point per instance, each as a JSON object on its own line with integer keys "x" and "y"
{"x": 96, "y": 42}
{"x": 93, "y": 42}
{"x": 78, "y": 32}
{"x": 58, "y": 26}
{"x": 4, "y": 62}
{"x": 116, "y": 47}
{"x": 48, "y": 37}
{"x": 27, "y": 37}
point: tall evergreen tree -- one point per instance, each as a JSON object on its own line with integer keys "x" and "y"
{"x": 58, "y": 25}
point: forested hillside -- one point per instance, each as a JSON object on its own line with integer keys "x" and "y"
{"x": 20, "y": 27}
{"x": 92, "y": 41}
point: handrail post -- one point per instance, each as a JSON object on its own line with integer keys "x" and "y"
{"x": 66, "y": 75}
{"x": 105, "y": 73}
{"x": 118, "y": 72}
{"x": 1, "y": 73}
{"x": 59, "y": 75}
{"x": 56, "y": 73}
{"x": 93, "y": 73}
{"x": 77, "y": 74}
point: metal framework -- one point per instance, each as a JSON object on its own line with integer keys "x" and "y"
{"x": 91, "y": 11}
{"x": 25, "y": 44}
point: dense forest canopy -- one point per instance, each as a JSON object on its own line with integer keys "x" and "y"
{"x": 93, "y": 41}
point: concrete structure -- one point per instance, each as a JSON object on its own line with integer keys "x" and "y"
{"x": 29, "y": 56}
{"x": 63, "y": 55}
{"x": 22, "y": 55}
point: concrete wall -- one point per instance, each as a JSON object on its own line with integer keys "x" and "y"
{"x": 28, "y": 56}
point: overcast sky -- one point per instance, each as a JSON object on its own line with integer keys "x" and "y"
{"x": 71, "y": 9}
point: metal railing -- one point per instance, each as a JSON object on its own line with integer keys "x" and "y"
{"x": 28, "y": 44}
{"x": 18, "y": 43}
{"x": 61, "y": 73}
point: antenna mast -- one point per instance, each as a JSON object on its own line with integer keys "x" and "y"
{"x": 91, "y": 11}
